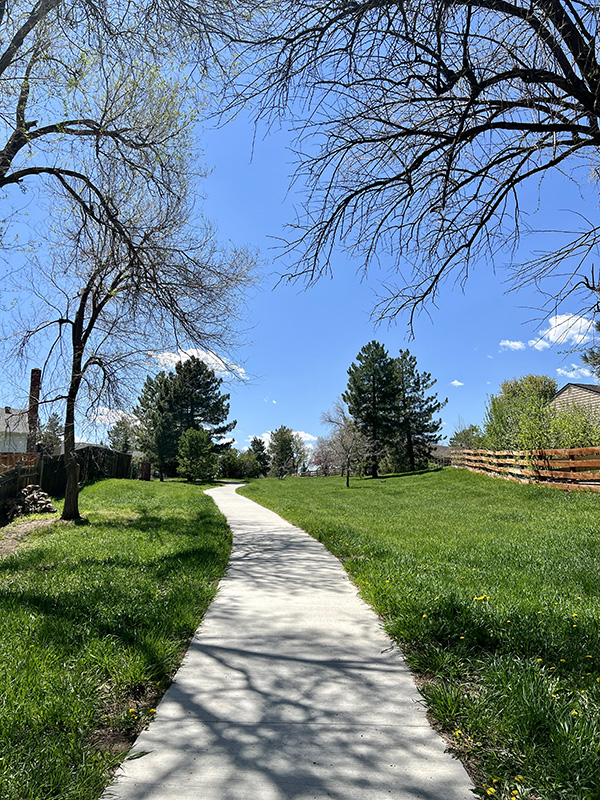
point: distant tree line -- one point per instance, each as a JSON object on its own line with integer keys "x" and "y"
{"x": 180, "y": 425}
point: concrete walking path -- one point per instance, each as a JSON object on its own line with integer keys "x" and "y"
{"x": 289, "y": 690}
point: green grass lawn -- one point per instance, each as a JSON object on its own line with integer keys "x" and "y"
{"x": 493, "y": 590}
{"x": 93, "y": 619}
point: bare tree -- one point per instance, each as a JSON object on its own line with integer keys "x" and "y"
{"x": 420, "y": 123}
{"x": 91, "y": 87}
{"x": 98, "y": 107}
{"x": 350, "y": 446}
{"x": 325, "y": 456}
{"x": 107, "y": 305}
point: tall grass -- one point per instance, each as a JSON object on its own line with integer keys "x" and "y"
{"x": 93, "y": 619}
{"x": 493, "y": 590}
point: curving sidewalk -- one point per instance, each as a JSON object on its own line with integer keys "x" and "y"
{"x": 289, "y": 690}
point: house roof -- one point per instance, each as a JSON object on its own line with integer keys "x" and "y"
{"x": 13, "y": 420}
{"x": 590, "y": 387}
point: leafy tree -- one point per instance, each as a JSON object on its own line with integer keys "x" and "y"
{"x": 505, "y": 410}
{"x": 249, "y": 466}
{"x": 417, "y": 429}
{"x": 469, "y": 437}
{"x": 198, "y": 401}
{"x": 591, "y": 356}
{"x": 50, "y": 434}
{"x": 543, "y": 426}
{"x": 258, "y": 448}
{"x": 372, "y": 397}
{"x": 430, "y": 119}
{"x": 282, "y": 452}
{"x": 195, "y": 457}
{"x": 121, "y": 437}
{"x": 229, "y": 466}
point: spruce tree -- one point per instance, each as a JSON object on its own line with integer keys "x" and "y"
{"x": 172, "y": 403}
{"x": 372, "y": 399}
{"x": 417, "y": 428}
{"x": 258, "y": 448}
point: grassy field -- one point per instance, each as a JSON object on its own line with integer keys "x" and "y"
{"x": 493, "y": 590}
{"x": 93, "y": 619}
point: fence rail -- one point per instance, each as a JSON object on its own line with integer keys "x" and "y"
{"x": 10, "y": 460}
{"x": 576, "y": 468}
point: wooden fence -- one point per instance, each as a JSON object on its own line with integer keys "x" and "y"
{"x": 577, "y": 468}
{"x": 10, "y": 460}
{"x": 49, "y": 471}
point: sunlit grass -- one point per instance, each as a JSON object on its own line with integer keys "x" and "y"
{"x": 493, "y": 590}
{"x": 94, "y": 618}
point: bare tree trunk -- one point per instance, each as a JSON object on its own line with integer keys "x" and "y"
{"x": 348, "y": 475}
{"x": 71, "y": 507}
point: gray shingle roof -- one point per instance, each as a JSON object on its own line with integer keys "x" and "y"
{"x": 13, "y": 420}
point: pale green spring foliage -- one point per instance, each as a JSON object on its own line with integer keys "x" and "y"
{"x": 543, "y": 426}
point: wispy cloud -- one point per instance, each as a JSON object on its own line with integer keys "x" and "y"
{"x": 563, "y": 329}
{"x": 575, "y": 372}
{"x": 220, "y": 366}
{"x": 456, "y": 383}
{"x": 507, "y": 344}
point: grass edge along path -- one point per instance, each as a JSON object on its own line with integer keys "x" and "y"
{"x": 491, "y": 589}
{"x": 94, "y": 620}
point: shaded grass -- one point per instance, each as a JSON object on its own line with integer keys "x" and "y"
{"x": 493, "y": 590}
{"x": 94, "y": 618}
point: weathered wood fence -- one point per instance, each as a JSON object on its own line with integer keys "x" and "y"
{"x": 49, "y": 471}
{"x": 10, "y": 460}
{"x": 577, "y": 468}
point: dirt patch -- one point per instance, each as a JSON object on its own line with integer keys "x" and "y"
{"x": 14, "y": 535}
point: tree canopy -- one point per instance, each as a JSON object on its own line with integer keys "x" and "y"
{"x": 421, "y": 123}
{"x": 95, "y": 112}
{"x": 172, "y": 403}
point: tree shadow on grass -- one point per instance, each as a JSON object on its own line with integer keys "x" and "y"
{"x": 106, "y": 620}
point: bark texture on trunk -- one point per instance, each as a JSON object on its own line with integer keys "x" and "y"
{"x": 71, "y": 507}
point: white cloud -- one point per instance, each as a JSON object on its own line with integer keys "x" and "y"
{"x": 108, "y": 416}
{"x": 569, "y": 329}
{"x": 539, "y": 344}
{"x": 492, "y": 357}
{"x": 220, "y": 366}
{"x": 507, "y": 344}
{"x": 306, "y": 437}
{"x": 575, "y": 372}
{"x": 456, "y": 383}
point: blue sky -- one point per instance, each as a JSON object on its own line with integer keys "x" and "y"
{"x": 299, "y": 343}
{"x": 303, "y": 341}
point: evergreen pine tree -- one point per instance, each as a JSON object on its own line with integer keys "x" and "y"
{"x": 417, "y": 429}
{"x": 372, "y": 399}
{"x": 258, "y": 448}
